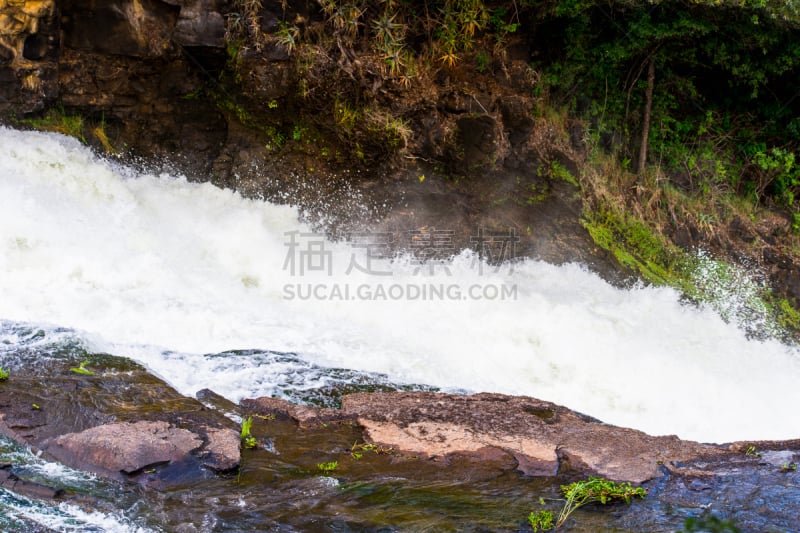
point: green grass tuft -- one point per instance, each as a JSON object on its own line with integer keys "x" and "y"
{"x": 248, "y": 440}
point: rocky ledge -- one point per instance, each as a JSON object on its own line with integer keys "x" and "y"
{"x": 117, "y": 421}
{"x": 124, "y": 424}
{"x": 542, "y": 438}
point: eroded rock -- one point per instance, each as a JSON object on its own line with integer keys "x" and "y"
{"x": 29, "y": 47}
{"x": 302, "y": 414}
{"x": 120, "y": 422}
{"x": 544, "y": 437}
{"x": 124, "y": 447}
{"x": 222, "y": 453}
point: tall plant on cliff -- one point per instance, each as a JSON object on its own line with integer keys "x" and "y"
{"x": 656, "y": 71}
{"x": 244, "y": 23}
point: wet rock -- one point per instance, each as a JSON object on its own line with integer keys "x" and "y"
{"x": 773, "y": 256}
{"x": 455, "y": 102}
{"x": 6, "y": 55}
{"x": 543, "y": 439}
{"x": 787, "y": 282}
{"x": 542, "y": 436}
{"x": 778, "y": 458}
{"x": 222, "y": 452}
{"x": 740, "y": 229}
{"x": 211, "y": 399}
{"x": 516, "y": 119}
{"x": 302, "y": 414}
{"x": 8, "y": 480}
{"x": 120, "y": 422}
{"x": 124, "y": 447}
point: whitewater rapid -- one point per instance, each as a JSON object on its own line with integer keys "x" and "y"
{"x": 162, "y": 270}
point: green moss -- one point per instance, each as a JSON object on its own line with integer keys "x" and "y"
{"x": 59, "y": 121}
{"x": 637, "y": 248}
{"x": 787, "y": 316}
{"x": 726, "y": 288}
{"x": 560, "y": 172}
{"x": 328, "y": 468}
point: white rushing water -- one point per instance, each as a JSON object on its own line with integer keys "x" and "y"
{"x": 163, "y": 271}
{"x": 15, "y": 509}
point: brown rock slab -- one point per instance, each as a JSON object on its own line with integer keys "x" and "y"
{"x": 302, "y": 414}
{"x": 124, "y": 447}
{"x": 544, "y": 438}
{"x": 222, "y": 451}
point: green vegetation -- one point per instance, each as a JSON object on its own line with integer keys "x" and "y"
{"x": 598, "y": 490}
{"x": 397, "y": 44}
{"x": 357, "y": 450}
{"x": 328, "y": 468}
{"x": 705, "y": 86}
{"x": 99, "y": 133}
{"x": 4, "y": 374}
{"x": 651, "y": 255}
{"x": 81, "y": 369}
{"x": 638, "y": 248}
{"x": 59, "y": 121}
{"x": 580, "y": 493}
{"x": 751, "y": 452}
{"x": 559, "y": 172}
{"x": 248, "y": 440}
{"x": 541, "y": 520}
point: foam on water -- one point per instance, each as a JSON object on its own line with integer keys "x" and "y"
{"x": 164, "y": 271}
{"x": 16, "y": 510}
{"x": 65, "y": 517}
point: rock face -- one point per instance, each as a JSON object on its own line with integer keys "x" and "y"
{"x": 120, "y": 423}
{"x": 124, "y": 447}
{"x": 544, "y": 439}
{"x": 129, "y": 61}
{"x": 29, "y": 51}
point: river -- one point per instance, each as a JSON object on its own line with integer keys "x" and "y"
{"x": 175, "y": 274}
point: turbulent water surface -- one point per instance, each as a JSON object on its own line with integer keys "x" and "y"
{"x": 166, "y": 272}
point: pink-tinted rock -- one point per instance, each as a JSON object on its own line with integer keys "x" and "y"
{"x": 124, "y": 447}
{"x": 222, "y": 452}
{"x": 543, "y": 437}
{"x": 302, "y": 414}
